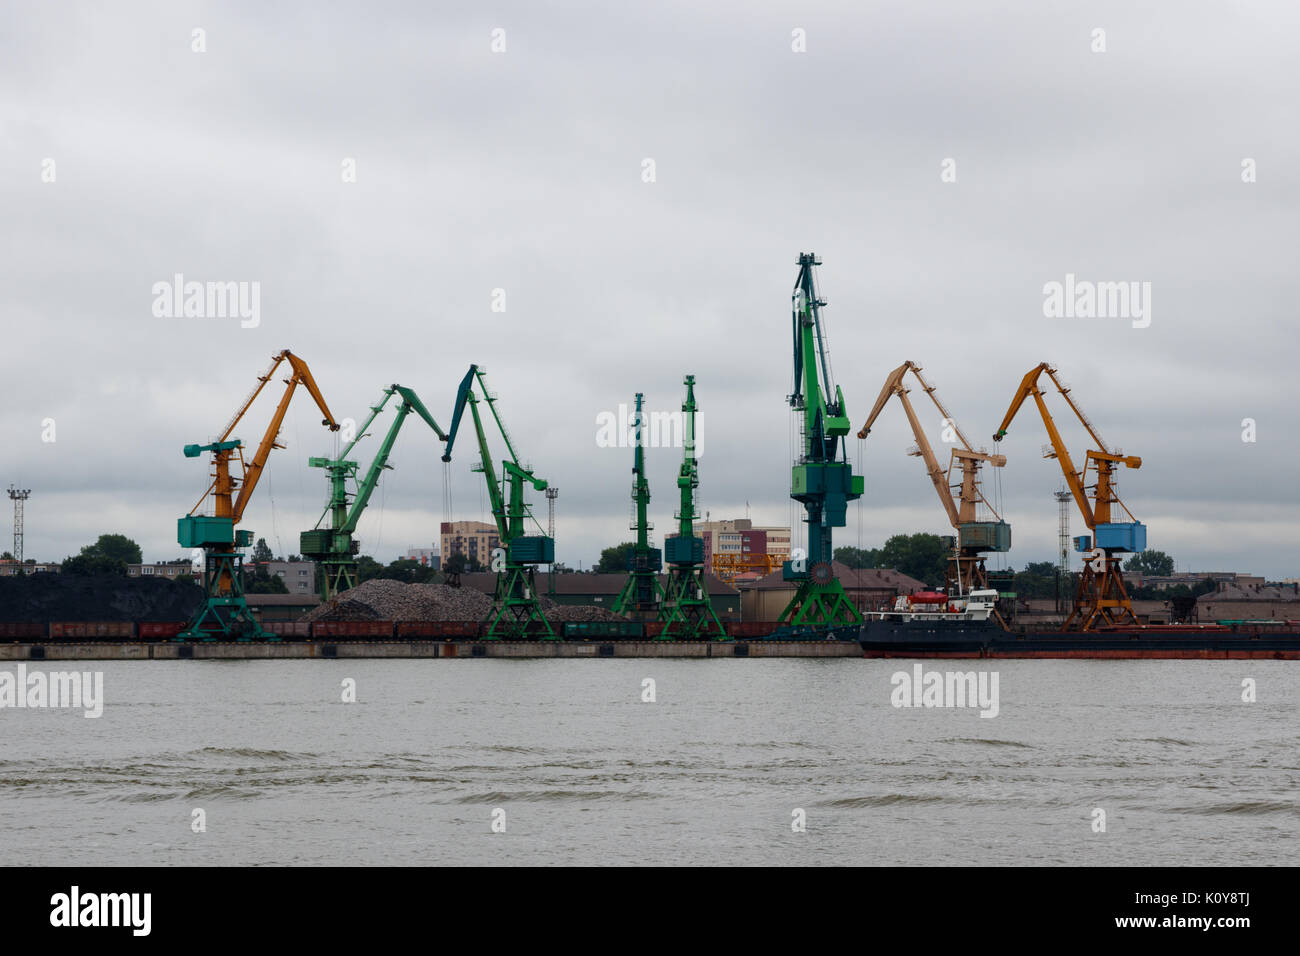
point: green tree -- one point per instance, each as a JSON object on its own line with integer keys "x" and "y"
{"x": 1153, "y": 563}
{"x": 262, "y": 552}
{"x": 858, "y": 557}
{"x": 615, "y": 560}
{"x": 117, "y": 547}
{"x": 407, "y": 571}
{"x": 1037, "y": 580}
{"x": 258, "y": 578}
{"x": 921, "y": 556}
{"x": 110, "y": 554}
{"x": 262, "y": 581}
{"x": 367, "y": 568}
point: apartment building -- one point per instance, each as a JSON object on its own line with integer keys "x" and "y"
{"x": 474, "y": 539}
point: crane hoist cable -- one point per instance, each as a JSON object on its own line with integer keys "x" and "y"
{"x": 859, "y": 502}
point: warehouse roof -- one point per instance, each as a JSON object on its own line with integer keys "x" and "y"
{"x": 853, "y": 579}
{"x": 1230, "y": 592}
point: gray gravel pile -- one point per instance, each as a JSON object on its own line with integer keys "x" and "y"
{"x": 577, "y": 612}
{"x": 381, "y": 600}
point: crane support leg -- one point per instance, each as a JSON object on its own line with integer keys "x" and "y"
{"x": 1101, "y": 597}
{"x": 688, "y": 613}
{"x": 224, "y": 613}
{"x": 515, "y": 611}
{"x": 641, "y": 596}
{"x": 820, "y": 605}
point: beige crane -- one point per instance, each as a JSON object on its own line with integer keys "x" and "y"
{"x": 960, "y": 497}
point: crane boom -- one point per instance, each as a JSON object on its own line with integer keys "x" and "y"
{"x": 938, "y": 477}
{"x": 410, "y": 403}
{"x": 1073, "y": 480}
{"x": 496, "y": 500}
{"x": 333, "y": 548}
{"x": 253, "y": 472}
{"x": 1097, "y": 510}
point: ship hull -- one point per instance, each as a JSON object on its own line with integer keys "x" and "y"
{"x": 966, "y": 639}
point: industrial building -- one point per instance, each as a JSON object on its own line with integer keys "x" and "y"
{"x": 867, "y": 589}
{"x": 9, "y": 567}
{"x": 742, "y": 536}
{"x": 1190, "y": 579}
{"x": 179, "y": 569}
{"x": 1254, "y": 602}
{"x": 429, "y": 557}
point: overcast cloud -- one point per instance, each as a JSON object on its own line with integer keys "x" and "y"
{"x": 522, "y": 171}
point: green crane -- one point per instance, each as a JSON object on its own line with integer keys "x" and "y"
{"x": 515, "y": 610}
{"x": 334, "y": 548}
{"x": 687, "y": 611}
{"x": 821, "y": 479}
{"x": 642, "y": 594}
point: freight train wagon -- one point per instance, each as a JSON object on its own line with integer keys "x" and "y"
{"x": 82, "y": 632}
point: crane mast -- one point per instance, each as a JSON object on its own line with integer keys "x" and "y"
{"x": 965, "y": 569}
{"x": 642, "y": 593}
{"x": 334, "y": 548}
{"x": 224, "y": 612}
{"x": 1101, "y": 597}
{"x": 821, "y": 479}
{"x": 687, "y": 610}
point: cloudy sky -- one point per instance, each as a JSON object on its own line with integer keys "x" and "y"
{"x": 525, "y": 170}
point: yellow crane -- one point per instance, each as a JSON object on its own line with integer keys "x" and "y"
{"x": 224, "y": 613}
{"x": 1101, "y": 597}
{"x": 960, "y": 498}
{"x": 729, "y": 566}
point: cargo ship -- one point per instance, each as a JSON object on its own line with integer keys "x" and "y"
{"x": 931, "y": 624}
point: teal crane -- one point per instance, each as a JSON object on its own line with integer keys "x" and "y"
{"x": 687, "y": 611}
{"x": 643, "y": 593}
{"x": 821, "y": 479}
{"x": 516, "y": 611}
{"x": 333, "y": 547}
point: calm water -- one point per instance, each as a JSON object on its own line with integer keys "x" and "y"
{"x": 710, "y": 773}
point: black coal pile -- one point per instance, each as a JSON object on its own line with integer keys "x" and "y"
{"x": 97, "y": 597}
